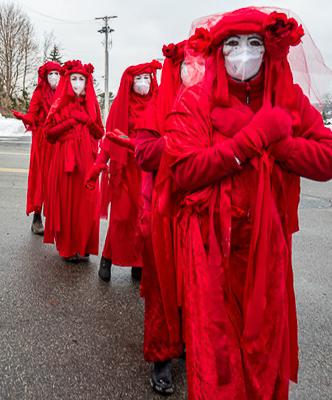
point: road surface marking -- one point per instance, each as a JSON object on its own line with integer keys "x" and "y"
{"x": 3, "y": 153}
{"x": 14, "y": 170}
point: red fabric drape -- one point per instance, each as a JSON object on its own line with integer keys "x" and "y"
{"x": 41, "y": 150}
{"x": 72, "y": 212}
{"x": 121, "y": 184}
{"x": 233, "y": 230}
{"x": 162, "y": 328}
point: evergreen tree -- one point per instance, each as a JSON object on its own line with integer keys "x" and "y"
{"x": 55, "y": 55}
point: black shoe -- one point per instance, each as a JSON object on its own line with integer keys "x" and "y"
{"x": 75, "y": 259}
{"x": 161, "y": 378}
{"x": 105, "y": 269}
{"x": 37, "y": 226}
{"x": 136, "y": 273}
{"x": 84, "y": 258}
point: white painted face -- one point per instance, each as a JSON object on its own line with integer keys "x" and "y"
{"x": 141, "y": 84}
{"x": 243, "y": 55}
{"x": 53, "y": 78}
{"x": 78, "y": 82}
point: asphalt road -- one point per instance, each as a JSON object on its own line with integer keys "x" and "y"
{"x": 66, "y": 335}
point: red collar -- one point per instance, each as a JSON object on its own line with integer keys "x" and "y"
{"x": 248, "y": 92}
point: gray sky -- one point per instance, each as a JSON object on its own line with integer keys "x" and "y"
{"x": 143, "y": 26}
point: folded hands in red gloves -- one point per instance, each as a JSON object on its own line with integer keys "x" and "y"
{"x": 269, "y": 125}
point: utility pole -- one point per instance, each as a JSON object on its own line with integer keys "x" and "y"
{"x": 106, "y": 30}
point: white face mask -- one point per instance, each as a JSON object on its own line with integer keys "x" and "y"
{"x": 192, "y": 70}
{"x": 185, "y": 78}
{"x": 142, "y": 84}
{"x": 243, "y": 55}
{"x": 78, "y": 82}
{"x": 53, "y": 79}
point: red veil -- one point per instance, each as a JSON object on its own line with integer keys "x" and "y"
{"x": 64, "y": 93}
{"x": 125, "y": 111}
{"x": 43, "y": 84}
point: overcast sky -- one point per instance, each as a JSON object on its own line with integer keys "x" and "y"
{"x": 143, "y": 26}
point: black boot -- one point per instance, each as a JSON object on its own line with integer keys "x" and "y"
{"x": 105, "y": 269}
{"x": 136, "y": 273}
{"x": 161, "y": 378}
{"x": 74, "y": 259}
{"x": 37, "y": 225}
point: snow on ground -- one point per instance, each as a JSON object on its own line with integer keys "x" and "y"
{"x": 11, "y": 127}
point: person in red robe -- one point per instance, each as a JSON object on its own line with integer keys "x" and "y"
{"x": 162, "y": 318}
{"x": 121, "y": 183}
{"x": 160, "y": 347}
{"x": 237, "y": 143}
{"x": 74, "y": 128}
{"x": 40, "y": 151}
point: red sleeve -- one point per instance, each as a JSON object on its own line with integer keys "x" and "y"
{"x": 96, "y": 130}
{"x": 31, "y": 117}
{"x": 34, "y": 106}
{"x": 104, "y": 152}
{"x": 54, "y": 132}
{"x": 149, "y": 149}
{"x": 193, "y": 157}
{"x": 207, "y": 166}
{"x": 310, "y": 153}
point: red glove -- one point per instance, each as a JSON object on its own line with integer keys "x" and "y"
{"x": 80, "y": 116}
{"x": 28, "y": 123}
{"x": 269, "y": 125}
{"x": 121, "y": 139}
{"x": 93, "y": 174}
{"x": 59, "y": 130}
{"x": 17, "y": 114}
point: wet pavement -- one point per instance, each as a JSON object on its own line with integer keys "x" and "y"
{"x": 64, "y": 334}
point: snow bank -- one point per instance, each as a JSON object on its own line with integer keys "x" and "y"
{"x": 11, "y": 127}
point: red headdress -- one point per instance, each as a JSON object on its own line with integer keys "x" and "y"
{"x": 43, "y": 85}
{"x": 279, "y": 33}
{"x": 126, "y": 108}
{"x": 46, "y": 68}
{"x": 170, "y": 79}
{"x": 290, "y": 55}
{"x": 155, "y": 114}
{"x": 65, "y": 94}
{"x": 127, "y": 101}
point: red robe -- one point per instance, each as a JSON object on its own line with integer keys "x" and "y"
{"x": 121, "y": 185}
{"x": 162, "y": 335}
{"x": 233, "y": 227}
{"x": 41, "y": 150}
{"x": 72, "y": 211}
{"x": 123, "y": 242}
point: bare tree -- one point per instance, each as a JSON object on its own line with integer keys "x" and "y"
{"x": 49, "y": 42}
{"x": 30, "y": 49}
{"x": 17, "y": 47}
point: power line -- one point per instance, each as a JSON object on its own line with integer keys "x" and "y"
{"x": 52, "y": 18}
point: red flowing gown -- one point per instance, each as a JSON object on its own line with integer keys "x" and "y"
{"x": 233, "y": 230}
{"x": 72, "y": 211}
{"x": 40, "y": 151}
{"x": 162, "y": 335}
{"x": 124, "y": 242}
